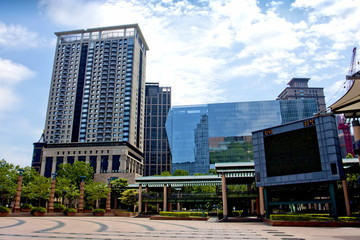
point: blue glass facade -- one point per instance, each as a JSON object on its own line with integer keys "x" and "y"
{"x": 206, "y": 134}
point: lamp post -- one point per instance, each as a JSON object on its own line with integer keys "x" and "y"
{"x": 81, "y": 197}
{"x": 108, "y": 199}
{"x": 52, "y": 193}
{"x": 16, "y": 208}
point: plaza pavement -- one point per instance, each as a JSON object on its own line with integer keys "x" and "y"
{"x": 106, "y": 228}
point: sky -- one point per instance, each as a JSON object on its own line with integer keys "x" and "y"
{"x": 207, "y": 51}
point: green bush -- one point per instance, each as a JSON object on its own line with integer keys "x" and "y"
{"x": 183, "y": 214}
{"x": 26, "y": 206}
{"x": 4, "y": 209}
{"x": 98, "y": 210}
{"x": 348, "y": 219}
{"x": 87, "y": 207}
{"x": 70, "y": 210}
{"x": 38, "y": 209}
{"x": 237, "y": 213}
{"x": 58, "y": 206}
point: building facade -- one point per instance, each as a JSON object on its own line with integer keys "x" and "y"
{"x": 299, "y": 89}
{"x": 157, "y": 155}
{"x": 202, "y": 135}
{"x": 97, "y": 95}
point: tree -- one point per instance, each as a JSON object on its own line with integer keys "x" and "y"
{"x": 75, "y": 171}
{"x": 180, "y": 172}
{"x": 118, "y": 186}
{"x": 37, "y": 189}
{"x": 128, "y": 197}
{"x": 8, "y": 181}
{"x": 66, "y": 189}
{"x": 165, "y": 173}
{"x": 95, "y": 191}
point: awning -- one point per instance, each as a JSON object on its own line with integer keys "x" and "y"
{"x": 349, "y": 104}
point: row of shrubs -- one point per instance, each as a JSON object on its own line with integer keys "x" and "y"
{"x": 311, "y": 217}
{"x": 57, "y": 206}
{"x": 44, "y": 210}
{"x": 184, "y": 214}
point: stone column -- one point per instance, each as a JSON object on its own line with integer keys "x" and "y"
{"x": 42, "y": 168}
{"x": 80, "y": 208}
{"x": 356, "y": 130}
{"x": 53, "y": 166}
{"x": 108, "y": 199}
{"x": 140, "y": 199}
{"x": 98, "y": 164}
{"x": 165, "y": 198}
{"x": 110, "y": 163}
{"x": 16, "y": 208}
{"x": 146, "y": 204}
{"x": 52, "y": 193}
{"x": 346, "y": 197}
{"x": 262, "y": 203}
{"x": 87, "y": 158}
{"x": 224, "y": 196}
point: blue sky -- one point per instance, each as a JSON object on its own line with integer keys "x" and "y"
{"x": 206, "y": 50}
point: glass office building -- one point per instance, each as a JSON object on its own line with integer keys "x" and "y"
{"x": 202, "y": 135}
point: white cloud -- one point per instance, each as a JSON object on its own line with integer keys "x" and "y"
{"x": 16, "y": 36}
{"x": 208, "y": 43}
{"x": 11, "y": 74}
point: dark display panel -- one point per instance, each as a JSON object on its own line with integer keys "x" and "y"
{"x": 292, "y": 152}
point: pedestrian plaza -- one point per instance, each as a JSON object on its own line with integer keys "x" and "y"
{"x": 109, "y": 227}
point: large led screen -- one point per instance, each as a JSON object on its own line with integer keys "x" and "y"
{"x": 292, "y": 152}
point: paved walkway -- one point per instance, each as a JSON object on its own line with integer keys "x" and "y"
{"x": 106, "y": 228}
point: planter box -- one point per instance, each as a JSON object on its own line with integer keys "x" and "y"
{"x": 179, "y": 218}
{"x": 58, "y": 210}
{"x": 87, "y": 211}
{"x": 37, "y": 214}
{"x": 310, "y": 223}
{"x": 70, "y": 214}
{"x": 125, "y": 214}
{"x": 99, "y": 214}
{"x": 25, "y": 209}
{"x": 4, "y": 214}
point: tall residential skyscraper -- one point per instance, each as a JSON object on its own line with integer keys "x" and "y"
{"x": 96, "y": 103}
{"x": 299, "y": 89}
{"x": 157, "y": 152}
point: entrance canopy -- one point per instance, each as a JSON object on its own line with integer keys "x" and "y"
{"x": 349, "y": 104}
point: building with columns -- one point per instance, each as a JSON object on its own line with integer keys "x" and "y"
{"x": 96, "y": 102}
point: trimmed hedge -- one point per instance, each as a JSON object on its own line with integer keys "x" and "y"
{"x": 70, "y": 210}
{"x": 98, "y": 210}
{"x": 58, "y": 206}
{"x": 38, "y": 209}
{"x": 310, "y": 217}
{"x": 4, "y": 209}
{"x": 184, "y": 214}
{"x": 26, "y": 206}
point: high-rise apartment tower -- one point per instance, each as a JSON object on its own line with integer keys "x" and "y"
{"x": 299, "y": 89}
{"x": 157, "y": 152}
{"x": 96, "y": 103}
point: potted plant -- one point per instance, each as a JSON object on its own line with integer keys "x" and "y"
{"x": 4, "y": 211}
{"x": 59, "y": 207}
{"x": 88, "y": 209}
{"x": 98, "y": 212}
{"x": 70, "y": 211}
{"x": 26, "y": 207}
{"x": 38, "y": 211}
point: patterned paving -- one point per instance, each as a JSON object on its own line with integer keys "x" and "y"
{"x": 104, "y": 228}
